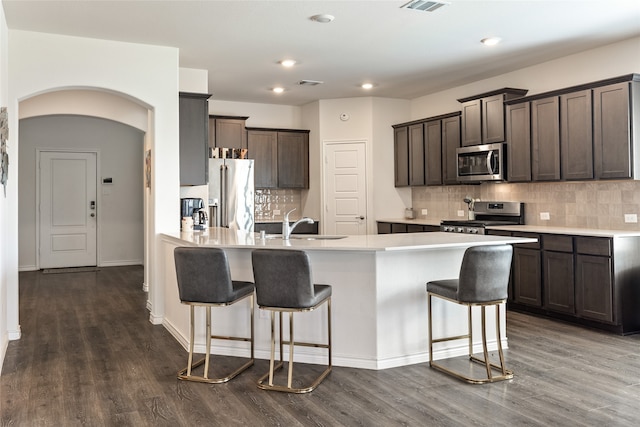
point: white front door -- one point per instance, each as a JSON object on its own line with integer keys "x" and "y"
{"x": 67, "y": 188}
{"x": 345, "y": 188}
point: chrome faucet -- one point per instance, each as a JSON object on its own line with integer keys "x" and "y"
{"x": 286, "y": 229}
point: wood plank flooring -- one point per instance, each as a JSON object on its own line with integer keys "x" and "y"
{"x": 88, "y": 356}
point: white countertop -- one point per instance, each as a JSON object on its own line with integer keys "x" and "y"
{"x": 226, "y": 238}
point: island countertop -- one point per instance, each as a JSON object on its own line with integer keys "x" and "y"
{"x": 226, "y": 238}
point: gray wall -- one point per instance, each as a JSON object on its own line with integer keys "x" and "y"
{"x": 120, "y": 156}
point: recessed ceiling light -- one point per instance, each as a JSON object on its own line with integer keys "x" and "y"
{"x": 367, "y": 85}
{"x": 288, "y": 62}
{"x": 278, "y": 89}
{"x": 490, "y": 41}
{"x": 323, "y": 18}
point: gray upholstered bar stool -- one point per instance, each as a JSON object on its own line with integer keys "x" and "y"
{"x": 483, "y": 281}
{"x": 204, "y": 280}
{"x": 284, "y": 284}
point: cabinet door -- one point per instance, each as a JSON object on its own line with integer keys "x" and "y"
{"x": 433, "y": 152}
{"x": 493, "y": 119}
{"x": 450, "y": 143}
{"x": 293, "y": 160}
{"x": 194, "y": 158}
{"x": 612, "y": 131}
{"x": 519, "y": 142}
{"x": 401, "y": 156}
{"x": 545, "y": 139}
{"x": 416, "y": 154}
{"x": 384, "y": 228}
{"x": 471, "y": 123}
{"x": 594, "y": 288}
{"x": 228, "y": 133}
{"x": 576, "y": 142}
{"x": 527, "y": 288}
{"x": 559, "y": 293}
{"x": 262, "y": 146}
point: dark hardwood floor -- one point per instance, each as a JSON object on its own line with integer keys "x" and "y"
{"x": 89, "y": 356}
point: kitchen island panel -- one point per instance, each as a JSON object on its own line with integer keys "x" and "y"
{"x": 379, "y": 302}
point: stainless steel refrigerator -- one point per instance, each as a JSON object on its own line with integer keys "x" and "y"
{"x": 231, "y": 194}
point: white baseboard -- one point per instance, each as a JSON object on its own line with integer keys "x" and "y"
{"x": 120, "y": 263}
{"x": 27, "y": 268}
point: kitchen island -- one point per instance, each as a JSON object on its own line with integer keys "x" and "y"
{"x": 379, "y": 302}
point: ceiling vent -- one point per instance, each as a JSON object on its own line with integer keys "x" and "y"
{"x": 309, "y": 82}
{"x": 425, "y": 6}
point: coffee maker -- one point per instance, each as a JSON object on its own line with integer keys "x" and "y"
{"x": 190, "y": 205}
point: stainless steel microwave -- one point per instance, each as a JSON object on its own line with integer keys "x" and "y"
{"x": 479, "y": 163}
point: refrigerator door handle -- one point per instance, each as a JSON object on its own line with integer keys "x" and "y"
{"x": 224, "y": 216}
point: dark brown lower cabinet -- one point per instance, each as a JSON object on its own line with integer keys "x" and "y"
{"x": 526, "y": 277}
{"x": 557, "y": 267}
{"x": 589, "y": 280}
{"x": 594, "y": 288}
{"x": 399, "y": 227}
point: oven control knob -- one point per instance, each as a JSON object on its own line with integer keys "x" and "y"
{"x": 460, "y": 230}
{"x": 473, "y": 231}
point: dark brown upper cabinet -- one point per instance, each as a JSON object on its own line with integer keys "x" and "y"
{"x": 281, "y": 157}
{"x": 577, "y": 133}
{"x": 425, "y": 151}
{"x": 416, "y": 155}
{"x": 545, "y": 139}
{"x": 519, "y": 142}
{"x": 450, "y": 143}
{"x": 194, "y": 130}
{"x": 616, "y": 108}
{"x": 483, "y": 116}
{"x": 227, "y": 132}
{"x": 401, "y": 156}
{"x": 576, "y": 138}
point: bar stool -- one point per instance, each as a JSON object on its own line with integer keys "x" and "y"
{"x": 284, "y": 284}
{"x": 204, "y": 280}
{"x": 483, "y": 281}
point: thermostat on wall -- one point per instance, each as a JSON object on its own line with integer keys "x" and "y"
{"x": 344, "y": 117}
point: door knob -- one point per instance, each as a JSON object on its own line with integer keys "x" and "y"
{"x": 360, "y": 217}
{"x": 92, "y": 214}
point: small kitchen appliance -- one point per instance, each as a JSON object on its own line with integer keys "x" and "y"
{"x": 189, "y": 205}
{"x": 486, "y": 214}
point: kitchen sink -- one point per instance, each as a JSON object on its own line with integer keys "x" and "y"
{"x": 307, "y": 236}
{"x": 316, "y": 236}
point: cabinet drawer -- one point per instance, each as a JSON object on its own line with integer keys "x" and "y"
{"x": 593, "y": 246}
{"x": 535, "y": 245}
{"x": 558, "y": 243}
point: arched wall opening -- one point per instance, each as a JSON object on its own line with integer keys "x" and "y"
{"x": 108, "y": 122}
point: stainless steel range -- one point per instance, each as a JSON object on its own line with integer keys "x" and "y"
{"x": 487, "y": 214}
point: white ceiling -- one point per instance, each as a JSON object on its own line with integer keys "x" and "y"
{"x": 405, "y": 53}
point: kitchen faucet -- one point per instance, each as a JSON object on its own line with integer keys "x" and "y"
{"x": 286, "y": 229}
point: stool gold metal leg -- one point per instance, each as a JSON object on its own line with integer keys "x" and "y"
{"x": 290, "y": 350}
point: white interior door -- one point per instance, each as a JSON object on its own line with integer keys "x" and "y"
{"x": 67, "y": 189}
{"x": 345, "y": 188}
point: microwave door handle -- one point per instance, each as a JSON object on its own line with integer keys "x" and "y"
{"x": 490, "y": 162}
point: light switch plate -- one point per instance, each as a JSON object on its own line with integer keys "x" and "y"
{"x": 424, "y": 211}
{"x": 460, "y": 213}
{"x": 545, "y": 216}
{"x": 276, "y": 211}
{"x": 630, "y": 218}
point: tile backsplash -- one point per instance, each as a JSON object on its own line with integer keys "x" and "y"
{"x": 594, "y": 204}
{"x": 271, "y": 204}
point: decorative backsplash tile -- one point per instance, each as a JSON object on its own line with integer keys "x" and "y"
{"x": 595, "y": 204}
{"x": 271, "y": 204}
